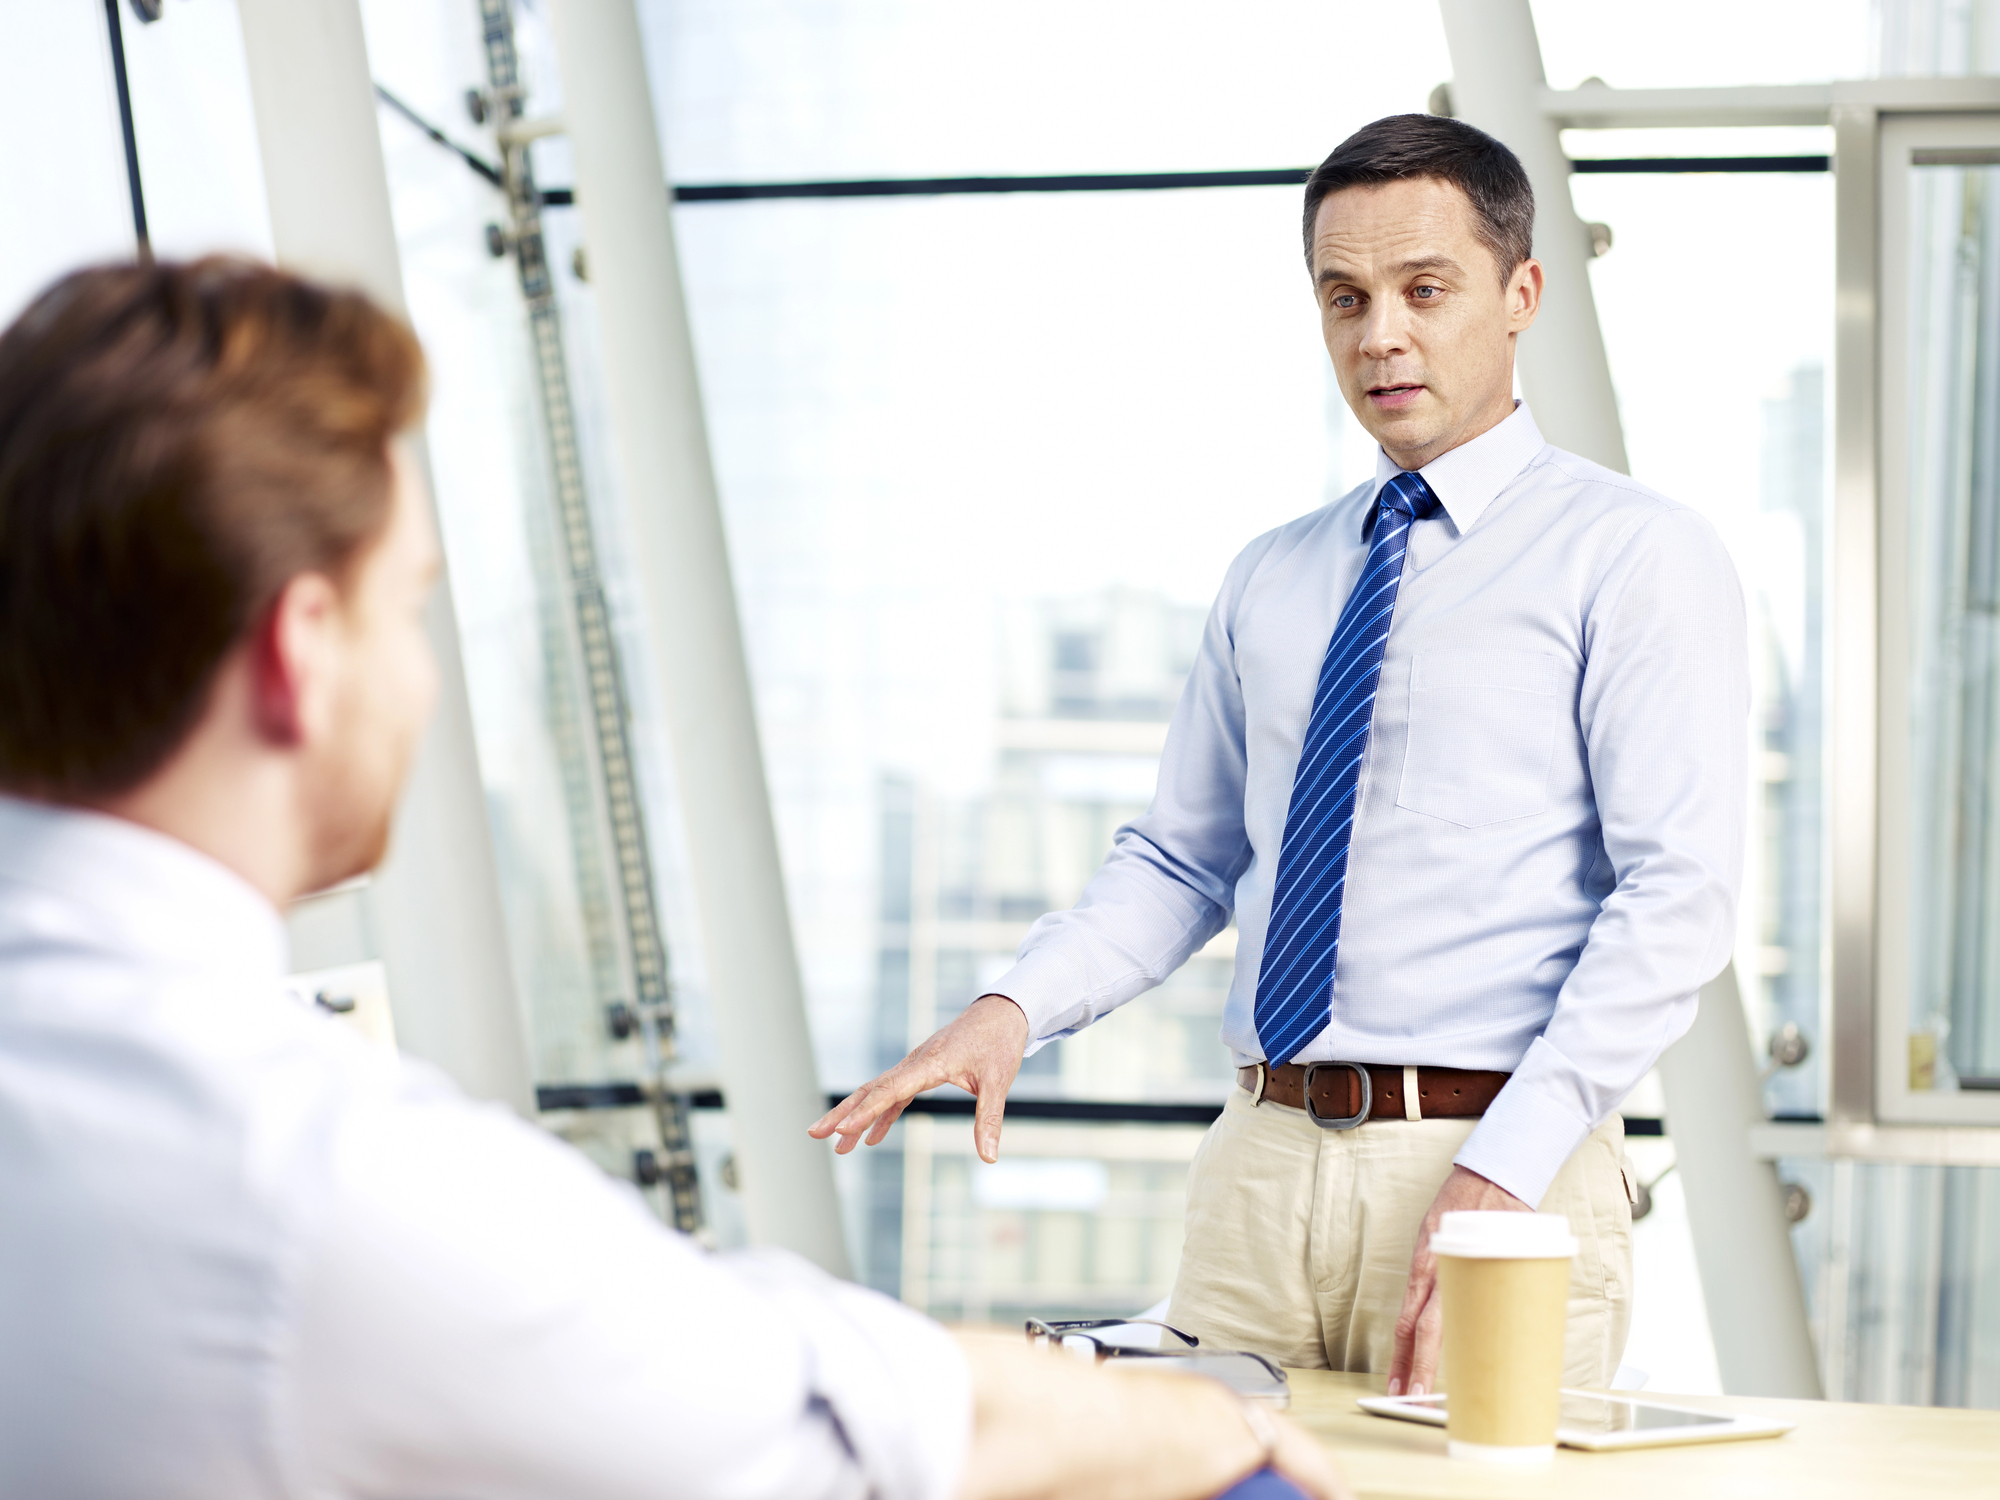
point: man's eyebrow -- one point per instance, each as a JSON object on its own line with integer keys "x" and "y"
{"x": 1407, "y": 268}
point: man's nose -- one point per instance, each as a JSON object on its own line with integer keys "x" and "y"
{"x": 1384, "y": 331}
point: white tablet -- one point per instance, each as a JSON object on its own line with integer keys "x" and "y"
{"x": 1588, "y": 1420}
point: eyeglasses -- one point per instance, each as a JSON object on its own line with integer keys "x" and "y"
{"x": 1251, "y": 1376}
{"x": 1074, "y": 1337}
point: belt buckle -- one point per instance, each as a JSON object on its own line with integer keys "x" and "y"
{"x": 1350, "y": 1121}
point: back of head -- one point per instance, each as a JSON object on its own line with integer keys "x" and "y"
{"x": 177, "y": 441}
{"x": 1398, "y": 147}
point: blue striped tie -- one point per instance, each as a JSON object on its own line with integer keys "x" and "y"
{"x": 1295, "y": 984}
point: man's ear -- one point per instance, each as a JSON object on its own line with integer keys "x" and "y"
{"x": 1524, "y": 295}
{"x": 294, "y": 654}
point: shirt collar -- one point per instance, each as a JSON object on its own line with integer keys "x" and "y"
{"x": 115, "y": 884}
{"x": 1471, "y": 476}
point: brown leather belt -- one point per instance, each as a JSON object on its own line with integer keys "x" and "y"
{"x": 1341, "y": 1095}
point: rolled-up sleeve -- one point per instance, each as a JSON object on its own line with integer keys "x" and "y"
{"x": 1664, "y": 708}
{"x": 1169, "y": 883}
{"x": 478, "y": 1310}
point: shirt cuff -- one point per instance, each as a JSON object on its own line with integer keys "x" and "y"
{"x": 896, "y": 1382}
{"x": 1051, "y": 994}
{"x": 1531, "y": 1129}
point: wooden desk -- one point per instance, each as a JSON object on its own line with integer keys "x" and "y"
{"x": 1837, "y": 1450}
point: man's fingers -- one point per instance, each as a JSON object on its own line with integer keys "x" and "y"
{"x": 888, "y": 1117}
{"x": 1424, "y": 1355}
{"x": 868, "y": 1106}
{"x": 986, "y": 1118}
{"x": 1416, "y": 1293}
{"x": 823, "y": 1127}
{"x": 896, "y": 1087}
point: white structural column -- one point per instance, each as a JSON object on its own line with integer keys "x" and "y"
{"x": 1496, "y": 84}
{"x": 432, "y": 915}
{"x": 1742, "y": 1244}
{"x": 1749, "y": 1279}
{"x": 661, "y": 445}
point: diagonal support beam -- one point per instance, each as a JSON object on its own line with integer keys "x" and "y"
{"x": 432, "y": 914}
{"x": 1743, "y": 1248}
{"x": 689, "y": 604}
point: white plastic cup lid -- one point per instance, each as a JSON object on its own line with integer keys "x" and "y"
{"x": 1504, "y": 1235}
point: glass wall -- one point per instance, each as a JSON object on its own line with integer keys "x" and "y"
{"x": 984, "y": 460}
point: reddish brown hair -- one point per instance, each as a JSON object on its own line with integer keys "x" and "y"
{"x": 177, "y": 442}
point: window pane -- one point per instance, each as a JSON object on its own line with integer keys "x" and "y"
{"x": 1955, "y": 647}
{"x": 908, "y": 88}
{"x": 985, "y": 461}
{"x": 1722, "y": 388}
{"x": 1903, "y": 1296}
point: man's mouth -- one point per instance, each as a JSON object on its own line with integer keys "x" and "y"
{"x": 1393, "y": 395}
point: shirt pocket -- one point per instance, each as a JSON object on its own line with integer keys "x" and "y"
{"x": 1482, "y": 734}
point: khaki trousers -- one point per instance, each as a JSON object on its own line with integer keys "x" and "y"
{"x": 1299, "y": 1239}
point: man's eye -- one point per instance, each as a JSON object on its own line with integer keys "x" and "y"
{"x": 1346, "y": 299}
{"x": 1426, "y": 293}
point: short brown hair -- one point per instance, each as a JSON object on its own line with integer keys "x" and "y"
{"x": 177, "y": 442}
{"x": 1402, "y": 146}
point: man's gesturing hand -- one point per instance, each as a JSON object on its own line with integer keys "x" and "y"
{"x": 980, "y": 1052}
{"x": 1420, "y": 1327}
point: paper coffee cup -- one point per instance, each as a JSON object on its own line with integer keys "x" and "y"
{"x": 1504, "y": 1280}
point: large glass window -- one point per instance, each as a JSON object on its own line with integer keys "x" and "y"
{"x": 1939, "y": 973}
{"x": 1722, "y": 389}
{"x": 984, "y": 460}
{"x": 1954, "y": 625}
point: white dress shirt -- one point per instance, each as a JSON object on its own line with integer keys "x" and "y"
{"x": 244, "y": 1254}
{"x": 1550, "y": 819}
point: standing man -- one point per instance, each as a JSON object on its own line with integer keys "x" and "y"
{"x": 1464, "y": 752}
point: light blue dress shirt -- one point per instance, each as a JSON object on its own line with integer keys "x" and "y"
{"x": 1551, "y": 815}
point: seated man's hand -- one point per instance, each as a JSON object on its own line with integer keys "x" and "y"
{"x": 1055, "y": 1428}
{"x": 1420, "y": 1327}
{"x": 980, "y": 1052}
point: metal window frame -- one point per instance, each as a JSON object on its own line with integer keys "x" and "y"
{"x": 1871, "y": 1113}
{"x": 1897, "y": 139}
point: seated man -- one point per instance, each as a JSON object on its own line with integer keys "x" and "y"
{"x": 241, "y": 1253}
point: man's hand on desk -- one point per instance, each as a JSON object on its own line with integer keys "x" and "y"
{"x": 1419, "y": 1329}
{"x": 1051, "y": 1427}
{"x": 980, "y": 1052}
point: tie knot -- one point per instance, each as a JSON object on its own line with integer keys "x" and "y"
{"x": 1408, "y": 493}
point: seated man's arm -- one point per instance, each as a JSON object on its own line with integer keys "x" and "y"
{"x": 1167, "y": 887}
